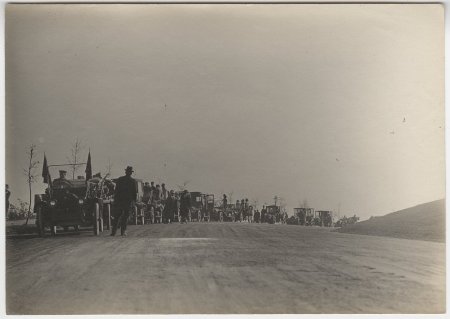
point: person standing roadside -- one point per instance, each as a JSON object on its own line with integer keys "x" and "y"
{"x": 185, "y": 206}
{"x": 224, "y": 202}
{"x": 152, "y": 191}
{"x": 257, "y": 216}
{"x": 246, "y": 210}
{"x": 7, "y": 195}
{"x": 224, "y": 208}
{"x": 170, "y": 208}
{"x": 157, "y": 194}
{"x": 263, "y": 214}
{"x": 124, "y": 199}
{"x": 164, "y": 192}
{"x": 147, "y": 193}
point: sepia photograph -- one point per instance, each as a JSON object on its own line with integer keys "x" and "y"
{"x": 234, "y": 158}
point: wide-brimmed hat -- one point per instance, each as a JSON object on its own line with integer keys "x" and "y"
{"x": 129, "y": 169}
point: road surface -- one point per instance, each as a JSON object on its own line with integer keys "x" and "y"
{"x": 223, "y": 268}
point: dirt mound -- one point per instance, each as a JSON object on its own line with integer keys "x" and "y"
{"x": 421, "y": 222}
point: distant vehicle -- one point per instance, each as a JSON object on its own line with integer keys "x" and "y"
{"x": 305, "y": 216}
{"x": 196, "y": 206}
{"x": 101, "y": 190}
{"x": 310, "y": 217}
{"x": 229, "y": 215}
{"x": 69, "y": 203}
{"x": 273, "y": 214}
{"x": 208, "y": 207}
{"x": 325, "y": 218}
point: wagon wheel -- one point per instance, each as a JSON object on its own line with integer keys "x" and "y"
{"x": 40, "y": 222}
{"x": 108, "y": 216}
{"x": 96, "y": 217}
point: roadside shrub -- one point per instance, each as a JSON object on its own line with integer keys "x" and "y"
{"x": 17, "y": 212}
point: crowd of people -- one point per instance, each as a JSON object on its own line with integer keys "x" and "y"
{"x": 157, "y": 198}
{"x": 171, "y": 205}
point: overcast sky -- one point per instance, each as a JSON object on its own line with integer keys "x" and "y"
{"x": 341, "y": 105}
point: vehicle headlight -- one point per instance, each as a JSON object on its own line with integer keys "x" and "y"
{"x": 52, "y": 203}
{"x": 80, "y": 201}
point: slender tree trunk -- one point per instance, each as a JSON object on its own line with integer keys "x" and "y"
{"x": 29, "y": 186}
{"x": 30, "y": 173}
{"x": 29, "y": 205}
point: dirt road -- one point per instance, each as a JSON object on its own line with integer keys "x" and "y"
{"x": 224, "y": 268}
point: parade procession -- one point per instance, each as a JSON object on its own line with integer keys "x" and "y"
{"x": 104, "y": 202}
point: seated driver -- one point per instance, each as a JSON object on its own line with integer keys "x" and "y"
{"x": 62, "y": 181}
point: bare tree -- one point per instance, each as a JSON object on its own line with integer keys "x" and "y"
{"x": 75, "y": 155}
{"x": 255, "y": 203}
{"x": 275, "y": 199}
{"x": 30, "y": 173}
{"x": 108, "y": 168}
{"x": 182, "y": 187}
{"x": 230, "y": 197}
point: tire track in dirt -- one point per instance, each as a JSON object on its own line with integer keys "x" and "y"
{"x": 224, "y": 268}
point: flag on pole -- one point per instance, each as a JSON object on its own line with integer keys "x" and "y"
{"x": 46, "y": 172}
{"x": 88, "y": 170}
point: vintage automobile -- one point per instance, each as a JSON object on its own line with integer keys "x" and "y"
{"x": 101, "y": 190}
{"x": 208, "y": 207}
{"x": 66, "y": 204}
{"x": 196, "y": 206}
{"x": 325, "y": 218}
{"x": 229, "y": 215}
{"x": 202, "y": 206}
{"x": 273, "y": 214}
{"x": 305, "y": 216}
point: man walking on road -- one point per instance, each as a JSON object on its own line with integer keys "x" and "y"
{"x": 124, "y": 198}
